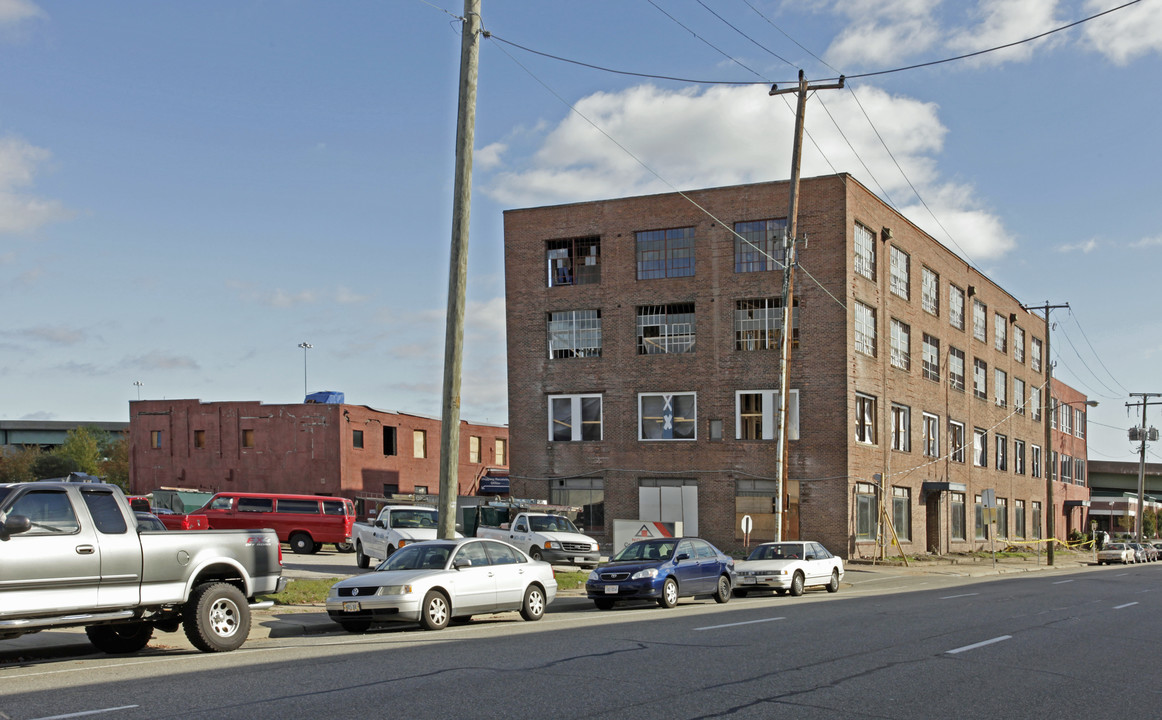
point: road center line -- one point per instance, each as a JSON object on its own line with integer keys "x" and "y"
{"x": 1120, "y": 607}
{"x": 953, "y": 597}
{"x": 748, "y": 622}
{"x": 1062, "y": 582}
{"x": 974, "y": 646}
{"x": 85, "y": 713}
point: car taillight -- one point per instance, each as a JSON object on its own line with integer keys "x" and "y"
{"x": 280, "y": 555}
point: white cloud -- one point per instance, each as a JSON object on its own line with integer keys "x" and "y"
{"x": 883, "y": 32}
{"x": 20, "y": 212}
{"x": 346, "y": 296}
{"x": 1124, "y": 35}
{"x": 689, "y": 139}
{"x": 1085, "y": 247}
{"x": 13, "y": 12}
{"x": 1003, "y": 22}
{"x": 1155, "y": 241}
{"x": 489, "y": 156}
{"x": 55, "y": 335}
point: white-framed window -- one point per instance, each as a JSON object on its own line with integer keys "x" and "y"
{"x": 1066, "y": 414}
{"x": 758, "y": 245}
{"x": 1079, "y": 422}
{"x": 865, "y": 512}
{"x": 901, "y": 427}
{"x": 756, "y": 414}
{"x": 955, "y": 307}
{"x": 1000, "y": 333}
{"x": 930, "y": 291}
{"x": 1035, "y": 354}
{"x": 1019, "y": 457}
{"x": 930, "y": 358}
{"x": 902, "y": 512}
{"x": 1066, "y": 475}
{"x": 931, "y": 435}
{"x": 1035, "y": 460}
{"x": 956, "y": 518}
{"x": 1036, "y": 506}
{"x": 956, "y": 441}
{"x": 758, "y": 323}
{"x": 1000, "y": 387}
{"x": 980, "y": 314}
{"x": 665, "y": 329}
{"x": 980, "y": 373}
{"x": 1002, "y": 517}
{"x": 1035, "y": 402}
{"x": 1019, "y": 395}
{"x": 980, "y": 447}
{"x": 865, "y": 418}
{"x": 1002, "y": 443}
{"x": 1019, "y": 343}
{"x": 865, "y": 252}
{"x": 574, "y": 333}
{"x": 901, "y": 345}
{"x": 668, "y": 416}
{"x": 1053, "y": 412}
{"x": 956, "y": 368}
{"x": 1019, "y": 518}
{"x": 574, "y": 418}
{"x": 865, "y": 329}
{"x": 1079, "y": 471}
{"x": 901, "y": 271}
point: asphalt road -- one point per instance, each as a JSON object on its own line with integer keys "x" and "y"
{"x": 1077, "y": 644}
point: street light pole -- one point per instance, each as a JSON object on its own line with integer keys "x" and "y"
{"x": 138, "y": 383}
{"x": 305, "y": 346}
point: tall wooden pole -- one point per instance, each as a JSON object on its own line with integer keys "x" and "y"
{"x": 788, "y": 293}
{"x": 458, "y": 272}
{"x": 1047, "y": 460}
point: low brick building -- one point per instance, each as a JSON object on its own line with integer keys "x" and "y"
{"x": 643, "y": 371}
{"x": 321, "y": 449}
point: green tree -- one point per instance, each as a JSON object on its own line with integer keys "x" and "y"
{"x": 81, "y": 448}
{"x": 16, "y": 465}
{"x": 1149, "y": 525}
{"x": 52, "y": 465}
{"x": 115, "y": 459}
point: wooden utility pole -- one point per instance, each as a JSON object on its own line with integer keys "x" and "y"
{"x": 458, "y": 272}
{"x": 1144, "y": 435}
{"x": 788, "y": 293}
{"x": 1048, "y": 465}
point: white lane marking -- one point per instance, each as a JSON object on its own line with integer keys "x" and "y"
{"x": 748, "y": 622}
{"x": 1062, "y": 582}
{"x": 1120, "y": 607}
{"x": 88, "y": 712}
{"x": 974, "y": 646}
{"x": 953, "y": 597}
{"x": 871, "y": 580}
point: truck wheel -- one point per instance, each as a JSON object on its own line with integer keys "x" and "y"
{"x": 434, "y": 612}
{"x": 360, "y": 559}
{"x": 302, "y": 543}
{"x": 533, "y": 607}
{"x": 535, "y": 553}
{"x": 118, "y": 639}
{"x": 216, "y": 617}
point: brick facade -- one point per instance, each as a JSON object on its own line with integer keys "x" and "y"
{"x": 826, "y": 465}
{"x": 297, "y": 448}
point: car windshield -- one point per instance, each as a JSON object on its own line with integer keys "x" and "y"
{"x": 777, "y": 551}
{"x": 551, "y": 523}
{"x": 1116, "y": 546}
{"x": 4, "y": 495}
{"x": 647, "y": 550}
{"x": 413, "y": 518}
{"x": 418, "y": 557}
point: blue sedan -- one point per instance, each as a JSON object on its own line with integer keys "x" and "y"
{"x": 662, "y": 569}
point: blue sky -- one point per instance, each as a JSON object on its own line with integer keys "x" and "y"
{"x": 188, "y": 191}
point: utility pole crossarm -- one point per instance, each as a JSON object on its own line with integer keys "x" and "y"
{"x": 1143, "y": 403}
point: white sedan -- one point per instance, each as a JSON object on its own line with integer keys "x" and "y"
{"x": 783, "y": 566}
{"x": 437, "y": 581}
{"x": 1115, "y": 553}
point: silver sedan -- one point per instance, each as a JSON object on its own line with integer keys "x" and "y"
{"x": 438, "y": 581}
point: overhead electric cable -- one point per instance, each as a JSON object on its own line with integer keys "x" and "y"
{"x": 1087, "y": 342}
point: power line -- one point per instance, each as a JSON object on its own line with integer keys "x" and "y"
{"x": 1077, "y": 321}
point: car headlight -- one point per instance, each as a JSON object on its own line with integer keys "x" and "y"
{"x": 549, "y": 545}
{"x": 643, "y": 574}
{"x": 395, "y": 590}
{"x": 593, "y": 576}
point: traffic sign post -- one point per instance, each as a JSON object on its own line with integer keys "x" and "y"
{"x": 747, "y": 524}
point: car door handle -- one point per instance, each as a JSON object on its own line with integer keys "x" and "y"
{"x": 85, "y": 549}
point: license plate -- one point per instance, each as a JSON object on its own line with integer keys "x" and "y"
{"x": 748, "y": 581}
{"x": 351, "y": 606}
{"x": 578, "y": 560}
{"x": 611, "y": 589}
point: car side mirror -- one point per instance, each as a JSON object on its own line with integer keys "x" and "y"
{"x": 681, "y": 557}
{"x": 809, "y": 557}
{"x": 16, "y": 524}
{"x": 461, "y": 563}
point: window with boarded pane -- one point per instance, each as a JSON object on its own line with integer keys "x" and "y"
{"x": 1000, "y": 333}
{"x": 931, "y": 435}
{"x": 956, "y": 307}
{"x": 576, "y": 261}
{"x": 574, "y": 418}
{"x": 574, "y": 333}
{"x": 956, "y": 368}
{"x": 902, "y": 512}
{"x": 956, "y": 440}
{"x": 930, "y": 291}
{"x": 668, "y": 416}
{"x": 664, "y": 329}
{"x": 956, "y": 513}
{"x": 980, "y": 381}
{"x": 1018, "y": 344}
{"x": 980, "y": 321}
{"x": 901, "y": 265}
{"x": 901, "y": 345}
{"x": 865, "y": 418}
{"x": 865, "y": 512}
{"x": 930, "y": 358}
{"x": 758, "y": 322}
{"x": 758, "y": 245}
{"x": 665, "y": 253}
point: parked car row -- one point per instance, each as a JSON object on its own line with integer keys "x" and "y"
{"x": 437, "y": 582}
{"x": 1129, "y": 552}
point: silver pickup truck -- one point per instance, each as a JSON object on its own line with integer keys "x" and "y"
{"x": 71, "y": 554}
